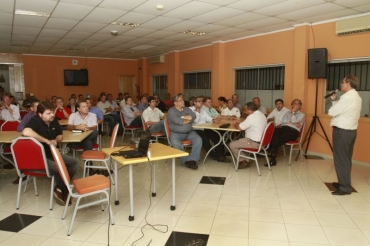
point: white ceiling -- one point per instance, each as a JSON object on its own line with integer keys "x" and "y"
{"x": 82, "y": 27}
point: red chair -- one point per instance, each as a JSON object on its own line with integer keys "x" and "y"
{"x": 296, "y": 142}
{"x": 30, "y": 160}
{"x": 2, "y": 122}
{"x": 265, "y": 141}
{"x": 184, "y": 143}
{"x": 155, "y": 135}
{"x": 23, "y": 113}
{"x": 84, "y": 187}
{"x": 133, "y": 129}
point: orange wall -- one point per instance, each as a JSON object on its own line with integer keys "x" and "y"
{"x": 43, "y": 75}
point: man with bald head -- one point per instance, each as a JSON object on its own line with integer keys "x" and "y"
{"x": 9, "y": 112}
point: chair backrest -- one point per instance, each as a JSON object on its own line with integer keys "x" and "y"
{"x": 145, "y": 126}
{"x": 267, "y": 135}
{"x": 62, "y": 169}
{"x": 2, "y": 122}
{"x": 301, "y": 132}
{"x": 29, "y": 154}
{"x": 168, "y": 131}
{"x": 123, "y": 120}
{"x": 10, "y": 125}
{"x": 114, "y": 136}
{"x": 23, "y": 113}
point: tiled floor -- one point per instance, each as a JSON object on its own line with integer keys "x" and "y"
{"x": 290, "y": 205}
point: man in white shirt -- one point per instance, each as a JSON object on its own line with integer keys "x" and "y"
{"x": 9, "y": 112}
{"x": 231, "y": 110}
{"x": 346, "y": 113}
{"x": 107, "y": 109}
{"x": 261, "y": 108}
{"x": 85, "y": 121}
{"x": 278, "y": 113}
{"x": 152, "y": 116}
{"x": 254, "y": 126}
{"x": 292, "y": 123}
{"x": 207, "y": 135}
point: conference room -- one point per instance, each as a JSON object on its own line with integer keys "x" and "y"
{"x": 218, "y": 48}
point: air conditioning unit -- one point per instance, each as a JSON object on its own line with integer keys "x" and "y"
{"x": 156, "y": 59}
{"x": 354, "y": 25}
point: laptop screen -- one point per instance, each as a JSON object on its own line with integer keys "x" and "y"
{"x": 144, "y": 142}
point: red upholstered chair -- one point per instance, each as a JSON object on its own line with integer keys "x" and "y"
{"x": 155, "y": 135}
{"x": 100, "y": 156}
{"x": 30, "y": 160}
{"x": 23, "y": 113}
{"x": 297, "y": 142}
{"x": 133, "y": 129}
{"x": 2, "y": 122}
{"x": 184, "y": 143}
{"x": 265, "y": 141}
{"x": 84, "y": 187}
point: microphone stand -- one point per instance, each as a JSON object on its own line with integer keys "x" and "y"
{"x": 312, "y": 128}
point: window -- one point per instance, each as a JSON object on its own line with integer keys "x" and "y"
{"x": 266, "y": 82}
{"x": 160, "y": 85}
{"x": 337, "y": 70}
{"x": 197, "y": 83}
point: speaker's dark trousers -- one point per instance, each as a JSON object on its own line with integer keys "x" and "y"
{"x": 343, "y": 143}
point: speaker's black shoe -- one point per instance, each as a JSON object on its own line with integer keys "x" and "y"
{"x": 272, "y": 163}
{"x": 336, "y": 185}
{"x": 340, "y": 193}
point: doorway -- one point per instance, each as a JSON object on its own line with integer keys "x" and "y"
{"x": 127, "y": 84}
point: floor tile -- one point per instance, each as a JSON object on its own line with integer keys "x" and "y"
{"x": 269, "y": 231}
{"x": 182, "y": 238}
{"x": 216, "y": 240}
{"x": 117, "y": 234}
{"x": 209, "y": 188}
{"x": 345, "y": 236}
{"x": 60, "y": 242}
{"x": 332, "y": 188}
{"x": 300, "y": 217}
{"x": 361, "y": 220}
{"x": 230, "y": 228}
{"x": 81, "y": 231}
{"x": 306, "y": 234}
{"x": 260, "y": 242}
{"x": 200, "y": 210}
{"x": 335, "y": 220}
{"x": 38, "y": 227}
{"x": 326, "y": 206}
{"x": 192, "y": 224}
{"x": 232, "y": 212}
{"x": 17, "y": 222}
{"x": 265, "y": 215}
{"x": 295, "y": 204}
{"x": 213, "y": 180}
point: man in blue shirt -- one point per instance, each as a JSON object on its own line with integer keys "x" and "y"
{"x": 33, "y": 109}
{"x": 143, "y": 104}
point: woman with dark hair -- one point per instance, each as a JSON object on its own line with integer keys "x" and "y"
{"x": 223, "y": 104}
{"x": 72, "y": 105}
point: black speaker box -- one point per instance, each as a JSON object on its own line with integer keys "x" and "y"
{"x": 317, "y": 63}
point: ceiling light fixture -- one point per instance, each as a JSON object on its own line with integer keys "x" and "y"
{"x": 194, "y": 33}
{"x": 125, "y": 24}
{"x": 114, "y": 33}
{"x": 32, "y": 13}
{"x": 159, "y": 7}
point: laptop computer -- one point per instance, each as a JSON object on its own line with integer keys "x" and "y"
{"x": 142, "y": 150}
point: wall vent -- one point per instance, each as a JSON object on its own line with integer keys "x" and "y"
{"x": 156, "y": 59}
{"x": 354, "y": 25}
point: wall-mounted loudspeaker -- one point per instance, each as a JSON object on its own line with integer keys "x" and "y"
{"x": 317, "y": 63}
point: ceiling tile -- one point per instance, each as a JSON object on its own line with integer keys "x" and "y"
{"x": 159, "y": 34}
{"x": 137, "y": 18}
{"x": 240, "y": 35}
{"x": 311, "y": 11}
{"x": 105, "y": 16}
{"x": 179, "y": 36}
{"x": 352, "y": 3}
{"x": 32, "y": 21}
{"x": 141, "y": 41}
{"x": 119, "y": 40}
{"x": 219, "y": 2}
{"x": 71, "y": 11}
{"x": 287, "y": 6}
{"x": 88, "y": 27}
{"x": 289, "y": 24}
{"x": 83, "y": 2}
{"x": 100, "y": 37}
{"x": 225, "y": 32}
{"x": 142, "y": 47}
{"x": 250, "y": 5}
{"x": 7, "y": 6}
{"x": 138, "y": 32}
{"x": 209, "y": 28}
{"x": 55, "y": 51}
{"x": 195, "y": 39}
{"x": 50, "y": 40}
{"x": 118, "y": 28}
{"x": 160, "y": 22}
{"x": 21, "y": 30}
{"x": 6, "y": 19}
{"x": 363, "y": 8}
{"x": 45, "y": 6}
{"x": 160, "y": 42}
{"x": 19, "y": 50}
{"x": 69, "y": 41}
{"x": 121, "y": 5}
{"x": 42, "y": 45}
{"x": 5, "y": 29}
{"x": 148, "y": 7}
{"x": 327, "y": 16}
{"x": 178, "y": 44}
{"x": 85, "y": 44}
{"x": 191, "y": 9}
{"x": 217, "y": 15}
{"x": 77, "y": 35}
{"x": 60, "y": 24}
{"x": 240, "y": 19}
{"x": 62, "y": 46}
{"x": 52, "y": 33}
{"x": 261, "y": 23}
{"x": 183, "y": 26}
{"x": 5, "y": 36}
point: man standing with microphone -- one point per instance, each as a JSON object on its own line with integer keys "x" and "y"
{"x": 345, "y": 113}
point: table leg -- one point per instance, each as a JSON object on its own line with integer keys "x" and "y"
{"x": 214, "y": 146}
{"x": 173, "y": 206}
{"x": 154, "y": 192}
{"x": 115, "y": 182}
{"x": 131, "y": 216}
{"x": 224, "y": 137}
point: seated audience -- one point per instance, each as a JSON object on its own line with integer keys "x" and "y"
{"x": 27, "y": 101}
{"x": 207, "y": 135}
{"x": 261, "y": 108}
{"x": 61, "y": 112}
{"x": 29, "y": 115}
{"x": 222, "y": 102}
{"x": 12, "y": 101}
{"x": 152, "y": 117}
{"x": 72, "y": 105}
{"x": 107, "y": 110}
{"x": 291, "y": 124}
{"x": 231, "y": 110}
{"x": 191, "y": 101}
{"x": 45, "y": 128}
{"x": 160, "y": 104}
{"x": 122, "y": 103}
{"x": 131, "y": 113}
{"x": 180, "y": 121}
{"x": 9, "y": 112}
{"x": 235, "y": 99}
{"x": 278, "y": 113}
{"x": 143, "y": 104}
{"x": 207, "y": 106}
{"x": 168, "y": 101}
{"x": 254, "y": 126}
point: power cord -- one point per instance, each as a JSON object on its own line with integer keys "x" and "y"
{"x": 146, "y": 214}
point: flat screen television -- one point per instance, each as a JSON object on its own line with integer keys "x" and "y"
{"x": 76, "y": 77}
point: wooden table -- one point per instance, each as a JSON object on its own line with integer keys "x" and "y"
{"x": 216, "y": 127}
{"x": 156, "y": 152}
{"x": 63, "y": 122}
{"x": 8, "y": 137}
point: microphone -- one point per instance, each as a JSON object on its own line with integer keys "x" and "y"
{"x": 332, "y": 93}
